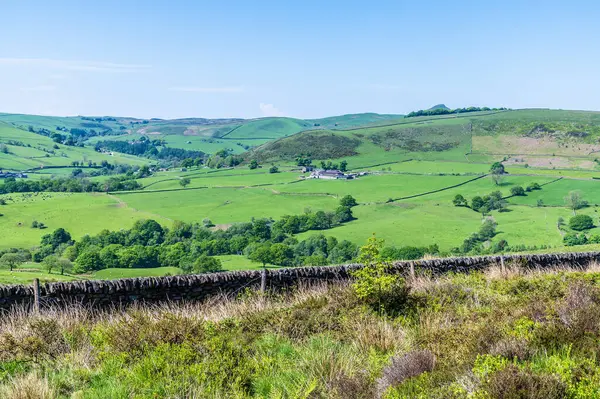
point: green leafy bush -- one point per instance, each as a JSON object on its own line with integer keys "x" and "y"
{"x": 581, "y": 222}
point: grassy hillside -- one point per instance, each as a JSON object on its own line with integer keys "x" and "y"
{"x": 23, "y": 150}
{"x": 489, "y": 334}
{"x": 415, "y": 169}
{"x": 207, "y": 135}
{"x": 533, "y": 137}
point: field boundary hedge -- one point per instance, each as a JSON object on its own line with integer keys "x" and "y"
{"x": 201, "y": 286}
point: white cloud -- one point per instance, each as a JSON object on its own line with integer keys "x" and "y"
{"x": 235, "y": 89}
{"x": 269, "y": 110}
{"x": 69, "y": 65}
{"x": 39, "y": 88}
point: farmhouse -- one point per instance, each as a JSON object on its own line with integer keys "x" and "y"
{"x": 5, "y": 175}
{"x": 329, "y": 174}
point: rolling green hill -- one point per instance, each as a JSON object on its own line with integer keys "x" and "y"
{"x": 531, "y": 137}
{"x": 415, "y": 167}
{"x": 23, "y": 150}
{"x": 206, "y": 135}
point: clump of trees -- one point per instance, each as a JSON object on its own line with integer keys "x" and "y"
{"x": 223, "y": 159}
{"x": 69, "y": 184}
{"x": 486, "y": 232}
{"x": 484, "y": 205}
{"x": 446, "y": 111}
{"x": 192, "y": 246}
{"x": 342, "y": 166}
{"x": 153, "y": 149}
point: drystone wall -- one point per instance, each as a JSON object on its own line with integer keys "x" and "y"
{"x": 199, "y": 287}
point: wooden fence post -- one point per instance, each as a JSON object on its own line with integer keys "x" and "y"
{"x": 36, "y": 295}
{"x": 263, "y": 280}
{"x": 412, "y": 270}
{"x": 502, "y": 264}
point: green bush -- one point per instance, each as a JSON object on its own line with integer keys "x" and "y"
{"x": 581, "y": 222}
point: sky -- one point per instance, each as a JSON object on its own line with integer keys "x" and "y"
{"x": 305, "y": 59}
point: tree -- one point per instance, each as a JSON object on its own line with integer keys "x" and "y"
{"x": 281, "y": 254}
{"x": 517, "y": 191}
{"x": 342, "y": 214}
{"x": 207, "y": 264}
{"x": 253, "y": 164}
{"x": 459, "y": 200}
{"x": 581, "y": 222}
{"x": 57, "y": 237}
{"x": 88, "y": 260}
{"x": 11, "y": 260}
{"x": 533, "y": 187}
{"x": 184, "y": 182}
{"x": 372, "y": 282}
{"x": 574, "y": 200}
{"x": 50, "y": 262}
{"x": 273, "y": 169}
{"x": 64, "y": 265}
{"x": 343, "y": 166}
{"x": 261, "y": 254}
{"x": 348, "y": 201}
{"x": 497, "y": 179}
{"x": 497, "y": 168}
{"x": 206, "y": 222}
{"x": 477, "y": 203}
{"x": 487, "y": 231}
{"x": 187, "y": 163}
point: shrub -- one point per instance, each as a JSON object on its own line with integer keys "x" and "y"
{"x": 373, "y": 284}
{"x": 207, "y": 264}
{"x": 581, "y": 222}
{"x": 517, "y": 191}
{"x": 513, "y": 383}
{"x": 404, "y": 367}
{"x": 512, "y": 348}
{"x": 574, "y": 239}
{"x": 348, "y": 201}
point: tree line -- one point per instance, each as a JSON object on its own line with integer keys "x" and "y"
{"x": 69, "y": 184}
{"x": 193, "y": 246}
{"x": 153, "y": 149}
{"x": 446, "y": 111}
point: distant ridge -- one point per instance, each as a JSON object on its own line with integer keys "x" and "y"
{"x": 439, "y": 106}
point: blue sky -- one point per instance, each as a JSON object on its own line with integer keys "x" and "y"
{"x": 303, "y": 59}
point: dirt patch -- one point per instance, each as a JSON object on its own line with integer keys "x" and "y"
{"x": 551, "y": 162}
{"x": 222, "y": 227}
{"x": 190, "y": 132}
{"x": 531, "y": 145}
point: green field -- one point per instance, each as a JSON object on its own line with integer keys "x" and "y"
{"x": 412, "y": 165}
{"x": 37, "y": 151}
{"x": 79, "y": 213}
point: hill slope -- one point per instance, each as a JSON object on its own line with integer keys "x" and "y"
{"x": 207, "y": 135}
{"x": 528, "y": 137}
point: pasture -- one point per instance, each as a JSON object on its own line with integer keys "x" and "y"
{"x": 415, "y": 168}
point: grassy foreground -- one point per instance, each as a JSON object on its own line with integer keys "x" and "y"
{"x": 483, "y": 335}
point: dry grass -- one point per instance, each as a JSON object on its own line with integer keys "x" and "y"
{"x": 404, "y": 367}
{"x": 29, "y": 386}
{"x": 370, "y": 331}
{"x": 19, "y": 321}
